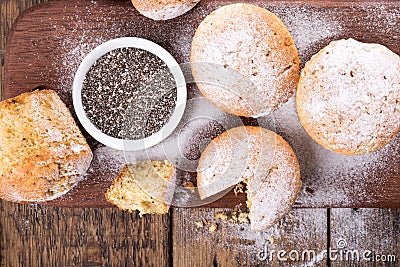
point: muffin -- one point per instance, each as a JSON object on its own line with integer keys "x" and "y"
{"x": 348, "y": 97}
{"x": 43, "y": 154}
{"x": 163, "y": 9}
{"x": 263, "y": 161}
{"x": 244, "y": 60}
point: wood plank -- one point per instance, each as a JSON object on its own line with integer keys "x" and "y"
{"x": 236, "y": 245}
{"x": 357, "y": 231}
{"x": 33, "y": 235}
{"x": 49, "y": 41}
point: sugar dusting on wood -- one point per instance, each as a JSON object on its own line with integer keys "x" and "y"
{"x": 308, "y": 26}
{"x": 107, "y": 160}
{"x": 366, "y": 229}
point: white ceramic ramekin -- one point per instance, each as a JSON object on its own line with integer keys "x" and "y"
{"x": 157, "y": 50}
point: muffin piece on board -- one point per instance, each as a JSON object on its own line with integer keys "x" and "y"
{"x": 244, "y": 60}
{"x": 145, "y": 186}
{"x": 163, "y": 9}
{"x": 348, "y": 97}
{"x": 43, "y": 154}
{"x": 261, "y": 159}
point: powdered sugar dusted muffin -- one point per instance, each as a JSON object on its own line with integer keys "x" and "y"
{"x": 254, "y": 42}
{"x": 163, "y": 9}
{"x": 261, "y": 159}
{"x": 348, "y": 97}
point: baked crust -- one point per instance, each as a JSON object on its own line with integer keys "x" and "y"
{"x": 348, "y": 97}
{"x": 43, "y": 154}
{"x": 254, "y": 56}
{"x": 261, "y": 159}
{"x": 163, "y": 9}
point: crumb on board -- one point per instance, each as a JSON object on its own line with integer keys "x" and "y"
{"x": 271, "y": 240}
{"x": 233, "y": 216}
{"x": 221, "y": 215}
{"x": 238, "y": 189}
{"x": 189, "y": 185}
{"x": 213, "y": 228}
{"x": 199, "y": 224}
{"x": 243, "y": 217}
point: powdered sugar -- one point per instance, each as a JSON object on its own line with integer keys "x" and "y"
{"x": 309, "y": 26}
{"x": 78, "y": 148}
{"x": 108, "y": 162}
{"x": 381, "y": 19}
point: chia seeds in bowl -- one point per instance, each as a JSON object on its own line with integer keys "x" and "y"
{"x": 129, "y": 93}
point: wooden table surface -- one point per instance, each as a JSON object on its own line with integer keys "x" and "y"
{"x": 33, "y": 235}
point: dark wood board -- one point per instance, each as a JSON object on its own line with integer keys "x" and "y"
{"x": 47, "y": 43}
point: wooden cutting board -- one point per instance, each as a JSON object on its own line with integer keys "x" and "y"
{"x": 48, "y": 42}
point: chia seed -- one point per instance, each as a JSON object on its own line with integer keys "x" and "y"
{"x": 129, "y": 93}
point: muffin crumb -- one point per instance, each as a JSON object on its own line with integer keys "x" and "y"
{"x": 221, "y": 215}
{"x": 213, "y": 228}
{"x": 189, "y": 185}
{"x": 199, "y": 224}
{"x": 238, "y": 189}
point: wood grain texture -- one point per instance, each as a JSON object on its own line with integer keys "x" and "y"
{"x": 376, "y": 230}
{"x": 43, "y": 236}
{"x": 236, "y": 245}
{"x": 49, "y": 41}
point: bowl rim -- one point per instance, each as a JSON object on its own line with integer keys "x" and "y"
{"x": 122, "y": 144}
